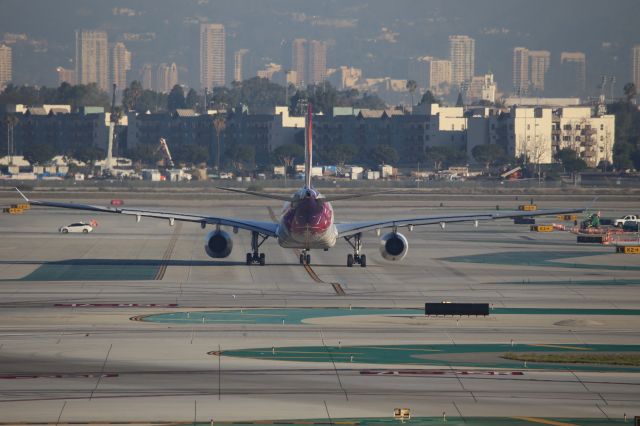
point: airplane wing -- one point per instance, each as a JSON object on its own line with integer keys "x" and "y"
{"x": 266, "y": 228}
{"x": 349, "y": 229}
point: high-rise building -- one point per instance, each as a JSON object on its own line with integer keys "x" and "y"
{"x": 539, "y": 61}
{"x": 439, "y": 76}
{"x": 6, "y": 65}
{"x": 431, "y": 74}
{"x": 462, "y": 55}
{"x": 212, "y": 55}
{"x": 574, "y": 73}
{"x": 238, "y": 62}
{"x": 166, "y": 77}
{"x": 66, "y": 75}
{"x": 146, "y": 76}
{"x": 317, "y": 69}
{"x": 482, "y": 88}
{"x": 346, "y": 77}
{"x": 635, "y": 61}
{"x": 521, "y": 71}
{"x": 119, "y": 65}
{"x": 299, "y": 59}
{"x": 92, "y": 58}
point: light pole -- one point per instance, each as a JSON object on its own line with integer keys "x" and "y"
{"x": 219, "y": 124}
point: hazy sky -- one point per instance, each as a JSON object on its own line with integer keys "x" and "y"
{"x": 378, "y": 36}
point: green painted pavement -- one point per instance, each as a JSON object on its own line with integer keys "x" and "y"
{"x": 297, "y": 315}
{"x": 434, "y": 421}
{"x": 270, "y": 316}
{"x": 438, "y": 354}
{"x": 96, "y": 270}
{"x": 539, "y": 258}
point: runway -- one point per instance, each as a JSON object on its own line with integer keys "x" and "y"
{"x": 77, "y": 345}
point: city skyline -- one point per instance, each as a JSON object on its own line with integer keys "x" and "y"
{"x": 382, "y": 52}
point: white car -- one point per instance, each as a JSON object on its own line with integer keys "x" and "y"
{"x": 77, "y": 227}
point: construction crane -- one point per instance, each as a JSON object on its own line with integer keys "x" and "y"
{"x": 108, "y": 164}
{"x": 164, "y": 149}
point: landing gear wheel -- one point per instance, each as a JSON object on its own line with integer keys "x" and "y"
{"x": 65, "y": 231}
{"x": 349, "y": 260}
{"x": 363, "y": 260}
{"x": 85, "y": 231}
{"x": 308, "y": 259}
{"x": 302, "y": 259}
{"x": 255, "y": 256}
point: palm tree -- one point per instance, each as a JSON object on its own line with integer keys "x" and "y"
{"x": 411, "y": 87}
{"x": 219, "y": 124}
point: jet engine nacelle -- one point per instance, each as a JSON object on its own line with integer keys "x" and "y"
{"x": 218, "y": 244}
{"x": 394, "y": 246}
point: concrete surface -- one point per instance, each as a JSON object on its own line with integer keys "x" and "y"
{"x": 70, "y": 351}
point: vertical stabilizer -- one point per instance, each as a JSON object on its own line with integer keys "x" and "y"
{"x": 308, "y": 148}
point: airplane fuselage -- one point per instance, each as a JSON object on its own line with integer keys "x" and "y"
{"x": 307, "y": 222}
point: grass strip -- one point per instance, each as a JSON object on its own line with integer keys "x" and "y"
{"x": 577, "y": 358}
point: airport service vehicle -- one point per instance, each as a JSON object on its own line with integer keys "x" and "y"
{"x": 631, "y": 226}
{"x": 307, "y": 222}
{"x": 76, "y": 227}
{"x": 628, "y": 218}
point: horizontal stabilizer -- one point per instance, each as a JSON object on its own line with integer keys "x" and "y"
{"x": 258, "y": 194}
{"x": 332, "y": 198}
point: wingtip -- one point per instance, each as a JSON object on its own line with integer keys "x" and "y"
{"x": 21, "y": 194}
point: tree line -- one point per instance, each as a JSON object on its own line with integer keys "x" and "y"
{"x": 258, "y": 94}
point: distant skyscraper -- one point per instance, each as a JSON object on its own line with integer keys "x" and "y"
{"x": 347, "y": 77}
{"x": 92, "y": 58}
{"x": 539, "y": 61}
{"x": 317, "y": 69}
{"x": 238, "y": 62}
{"x": 462, "y": 55}
{"x": 635, "y": 61}
{"x": 146, "y": 76}
{"x": 212, "y": 55}
{"x": 119, "y": 65}
{"x": 6, "y": 65}
{"x": 431, "y": 74}
{"x": 574, "y": 70}
{"x": 521, "y": 71}
{"x": 482, "y": 88}
{"x": 299, "y": 59}
{"x": 66, "y": 75}
{"x": 166, "y": 77}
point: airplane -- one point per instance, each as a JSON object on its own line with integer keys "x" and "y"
{"x": 307, "y": 222}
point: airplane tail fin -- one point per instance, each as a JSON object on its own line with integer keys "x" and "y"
{"x": 308, "y": 147}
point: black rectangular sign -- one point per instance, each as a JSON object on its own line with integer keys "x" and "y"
{"x": 456, "y": 309}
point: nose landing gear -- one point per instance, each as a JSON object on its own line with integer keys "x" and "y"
{"x": 305, "y": 257}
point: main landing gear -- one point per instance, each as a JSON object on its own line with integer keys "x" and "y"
{"x": 305, "y": 257}
{"x": 256, "y": 241}
{"x": 356, "y": 258}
